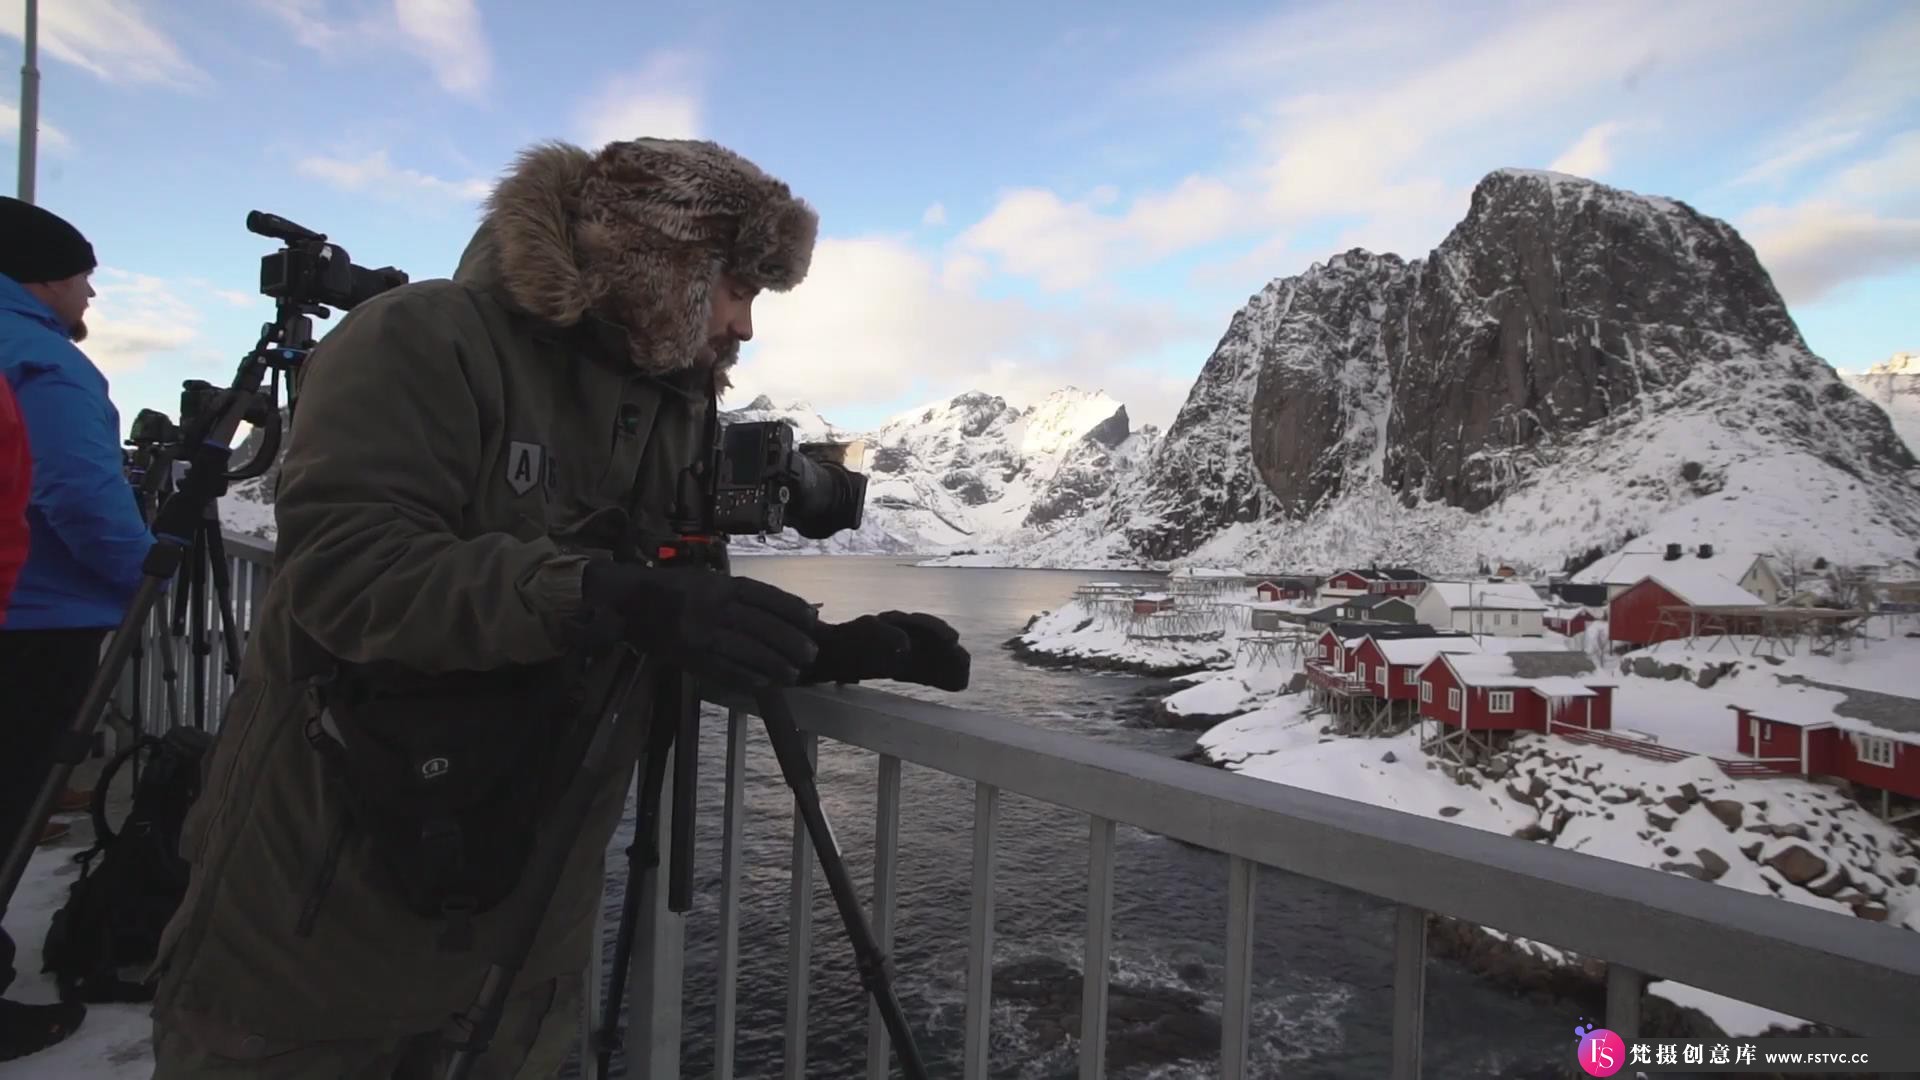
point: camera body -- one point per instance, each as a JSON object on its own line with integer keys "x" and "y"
{"x": 309, "y": 270}
{"x": 764, "y": 482}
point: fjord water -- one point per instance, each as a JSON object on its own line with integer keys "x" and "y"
{"x": 1323, "y": 965}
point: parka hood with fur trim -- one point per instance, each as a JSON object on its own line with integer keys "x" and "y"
{"x": 634, "y": 235}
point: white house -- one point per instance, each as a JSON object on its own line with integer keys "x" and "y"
{"x": 1503, "y": 609}
{"x": 1751, "y": 570}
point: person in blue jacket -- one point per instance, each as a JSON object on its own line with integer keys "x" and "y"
{"x": 87, "y": 538}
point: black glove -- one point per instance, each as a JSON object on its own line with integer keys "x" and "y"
{"x": 909, "y": 647}
{"x": 734, "y": 631}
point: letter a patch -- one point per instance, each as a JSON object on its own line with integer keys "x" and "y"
{"x": 525, "y": 464}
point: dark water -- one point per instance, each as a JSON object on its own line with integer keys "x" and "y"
{"x": 1323, "y": 965}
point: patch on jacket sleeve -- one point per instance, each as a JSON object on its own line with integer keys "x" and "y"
{"x": 526, "y": 466}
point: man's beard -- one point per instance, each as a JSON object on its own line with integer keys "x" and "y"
{"x": 79, "y": 331}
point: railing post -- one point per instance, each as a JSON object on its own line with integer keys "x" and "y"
{"x": 799, "y": 934}
{"x": 886, "y": 846}
{"x": 590, "y": 994}
{"x": 1093, "y": 966}
{"x": 1409, "y": 990}
{"x": 1623, "y": 1000}
{"x": 1237, "y": 994}
{"x": 654, "y": 986}
{"x": 986, "y": 811}
{"x": 733, "y": 818}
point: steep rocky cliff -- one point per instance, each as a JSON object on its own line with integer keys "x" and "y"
{"x": 1573, "y": 363}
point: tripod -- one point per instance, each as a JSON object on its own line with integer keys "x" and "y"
{"x": 180, "y": 527}
{"x": 674, "y": 726}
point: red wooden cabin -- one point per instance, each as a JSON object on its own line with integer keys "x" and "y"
{"x": 1276, "y": 589}
{"x": 1569, "y": 621}
{"x": 1673, "y": 603}
{"x": 1390, "y": 581}
{"x": 1522, "y": 691}
{"x": 1813, "y": 741}
{"x": 1390, "y": 667}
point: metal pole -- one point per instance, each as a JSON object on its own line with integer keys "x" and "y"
{"x": 29, "y": 100}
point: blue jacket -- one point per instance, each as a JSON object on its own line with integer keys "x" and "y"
{"x": 87, "y": 537}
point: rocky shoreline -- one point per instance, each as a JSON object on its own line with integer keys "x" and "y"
{"x": 1038, "y": 657}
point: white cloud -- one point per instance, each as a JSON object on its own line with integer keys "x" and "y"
{"x": 935, "y": 215}
{"x": 1858, "y": 222}
{"x": 136, "y": 318}
{"x": 660, "y": 100}
{"x": 1591, "y": 154}
{"x": 109, "y": 39}
{"x": 447, "y": 34}
{"x": 877, "y": 320}
{"x": 309, "y": 22}
{"x": 1869, "y": 87}
{"x": 376, "y": 173}
{"x": 1816, "y": 246}
{"x": 51, "y": 138}
{"x": 1382, "y": 155}
{"x": 1067, "y": 245}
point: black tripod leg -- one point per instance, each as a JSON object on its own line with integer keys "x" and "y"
{"x": 686, "y": 779}
{"x": 197, "y": 611}
{"x": 223, "y": 600}
{"x": 612, "y": 685}
{"x": 876, "y": 971}
{"x": 643, "y": 853}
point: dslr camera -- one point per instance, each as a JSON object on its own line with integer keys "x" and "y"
{"x": 765, "y": 483}
{"x": 309, "y": 270}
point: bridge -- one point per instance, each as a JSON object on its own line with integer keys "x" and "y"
{"x": 1860, "y": 976}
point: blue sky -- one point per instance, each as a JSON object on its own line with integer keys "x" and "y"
{"x": 1014, "y": 197}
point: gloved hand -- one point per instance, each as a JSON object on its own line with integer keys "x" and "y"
{"x": 734, "y": 631}
{"x": 910, "y": 647}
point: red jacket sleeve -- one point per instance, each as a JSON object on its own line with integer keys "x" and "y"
{"x": 16, "y": 484}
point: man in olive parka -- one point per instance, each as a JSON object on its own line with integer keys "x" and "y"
{"x": 450, "y": 439}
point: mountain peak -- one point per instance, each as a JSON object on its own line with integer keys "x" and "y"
{"x": 1900, "y": 363}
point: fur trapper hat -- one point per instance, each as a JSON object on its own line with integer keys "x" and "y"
{"x": 635, "y": 235}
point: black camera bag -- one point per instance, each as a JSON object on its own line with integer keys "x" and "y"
{"x": 449, "y": 778}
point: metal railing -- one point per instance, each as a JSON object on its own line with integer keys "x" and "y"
{"x": 1858, "y": 975}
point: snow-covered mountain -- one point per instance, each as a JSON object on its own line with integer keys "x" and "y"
{"x": 976, "y": 471}
{"x": 1894, "y": 385}
{"x": 973, "y": 471}
{"x": 1573, "y": 364}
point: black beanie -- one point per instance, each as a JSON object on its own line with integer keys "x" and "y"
{"x": 38, "y": 245}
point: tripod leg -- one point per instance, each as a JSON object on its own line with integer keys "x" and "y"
{"x": 643, "y": 854}
{"x": 876, "y": 971}
{"x": 474, "y": 1028}
{"x": 223, "y": 600}
{"x": 197, "y": 611}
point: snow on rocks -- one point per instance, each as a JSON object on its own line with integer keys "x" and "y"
{"x": 1079, "y": 636}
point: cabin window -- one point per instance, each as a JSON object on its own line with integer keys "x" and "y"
{"x": 1766, "y": 732}
{"x": 1500, "y": 701}
{"x": 1453, "y": 697}
{"x": 1426, "y": 693}
{"x": 1363, "y": 672}
{"x": 1876, "y": 751}
{"x": 1410, "y": 677}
